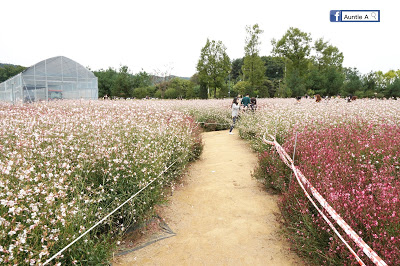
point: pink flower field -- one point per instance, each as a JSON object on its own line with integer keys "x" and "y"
{"x": 350, "y": 153}
{"x": 356, "y": 169}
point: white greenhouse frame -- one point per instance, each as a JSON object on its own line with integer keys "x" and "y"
{"x": 54, "y": 78}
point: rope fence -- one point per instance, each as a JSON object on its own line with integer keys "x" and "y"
{"x": 303, "y": 182}
{"x": 105, "y": 217}
{"x": 207, "y": 123}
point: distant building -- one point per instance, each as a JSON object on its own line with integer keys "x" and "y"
{"x": 54, "y": 78}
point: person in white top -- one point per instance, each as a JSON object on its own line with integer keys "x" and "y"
{"x": 235, "y": 113}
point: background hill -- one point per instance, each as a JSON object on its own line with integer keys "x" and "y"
{"x": 9, "y": 70}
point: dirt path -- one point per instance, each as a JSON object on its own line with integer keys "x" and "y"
{"x": 221, "y": 216}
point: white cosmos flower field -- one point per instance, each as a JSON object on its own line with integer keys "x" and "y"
{"x": 64, "y": 165}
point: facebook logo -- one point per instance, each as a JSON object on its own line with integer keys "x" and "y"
{"x": 355, "y": 15}
{"x": 335, "y": 16}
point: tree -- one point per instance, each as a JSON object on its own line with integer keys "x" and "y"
{"x": 266, "y": 89}
{"x": 294, "y": 84}
{"x": 122, "y": 87}
{"x": 181, "y": 86}
{"x": 393, "y": 90}
{"x": 214, "y": 65}
{"x": 326, "y": 81}
{"x": 171, "y": 93}
{"x": 105, "y": 80}
{"x": 203, "y": 90}
{"x": 236, "y": 71}
{"x": 253, "y": 68}
{"x": 242, "y": 87}
{"x": 370, "y": 84}
{"x": 192, "y": 92}
{"x": 140, "y": 93}
{"x": 327, "y": 55}
{"x": 352, "y": 83}
{"x": 9, "y": 71}
{"x": 295, "y": 47}
{"x": 316, "y": 81}
{"x": 195, "y": 79}
{"x": 141, "y": 80}
{"x": 334, "y": 80}
{"x": 274, "y": 67}
{"x": 161, "y": 77}
{"x": 325, "y": 76}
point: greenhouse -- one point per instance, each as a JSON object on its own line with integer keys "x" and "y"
{"x": 54, "y": 78}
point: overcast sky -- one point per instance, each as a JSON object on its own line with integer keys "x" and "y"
{"x": 162, "y": 35}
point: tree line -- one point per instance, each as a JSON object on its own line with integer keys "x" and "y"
{"x": 8, "y": 70}
{"x": 297, "y": 66}
{"x": 123, "y": 84}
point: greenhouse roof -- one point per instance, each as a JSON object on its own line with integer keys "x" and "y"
{"x": 58, "y": 66}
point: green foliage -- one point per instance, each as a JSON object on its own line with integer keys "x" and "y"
{"x": 193, "y": 92}
{"x": 162, "y": 87}
{"x": 253, "y": 68}
{"x": 370, "y": 83}
{"x": 325, "y": 75}
{"x": 106, "y": 79}
{"x": 316, "y": 81}
{"x": 157, "y": 94}
{"x": 393, "y": 90}
{"x": 266, "y": 89}
{"x": 326, "y": 81}
{"x": 269, "y": 164}
{"x": 294, "y": 84}
{"x": 140, "y": 93}
{"x": 214, "y": 117}
{"x": 334, "y": 80}
{"x": 203, "y": 91}
{"x": 275, "y": 67}
{"x": 171, "y": 93}
{"x": 352, "y": 82}
{"x": 151, "y": 90}
{"x": 182, "y": 86}
{"x": 236, "y": 71}
{"x": 123, "y": 84}
{"x": 8, "y": 71}
{"x": 242, "y": 87}
{"x": 311, "y": 92}
{"x": 280, "y": 91}
{"x": 222, "y": 92}
{"x": 195, "y": 79}
{"x": 214, "y": 65}
{"x": 295, "y": 46}
{"x": 327, "y": 55}
{"x": 141, "y": 79}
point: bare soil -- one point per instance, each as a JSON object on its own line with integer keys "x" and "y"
{"x": 220, "y": 214}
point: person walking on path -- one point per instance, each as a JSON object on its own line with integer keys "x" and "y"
{"x": 235, "y": 113}
{"x": 245, "y": 101}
